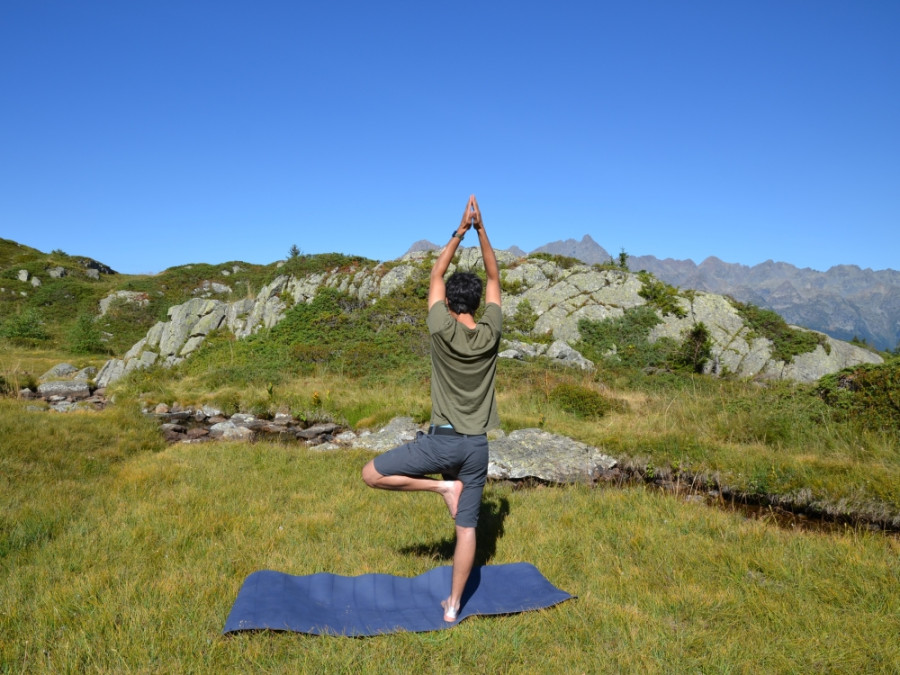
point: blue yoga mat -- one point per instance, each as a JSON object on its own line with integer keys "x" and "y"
{"x": 371, "y": 604}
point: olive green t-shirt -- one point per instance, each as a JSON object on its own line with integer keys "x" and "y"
{"x": 463, "y": 367}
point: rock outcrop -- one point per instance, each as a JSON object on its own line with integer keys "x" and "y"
{"x": 559, "y": 297}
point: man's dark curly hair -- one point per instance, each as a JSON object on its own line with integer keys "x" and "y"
{"x": 463, "y": 292}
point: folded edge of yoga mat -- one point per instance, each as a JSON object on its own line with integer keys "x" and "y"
{"x": 371, "y": 604}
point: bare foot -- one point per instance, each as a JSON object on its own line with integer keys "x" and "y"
{"x": 451, "y": 496}
{"x": 450, "y": 612}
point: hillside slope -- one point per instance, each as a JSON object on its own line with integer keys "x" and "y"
{"x": 544, "y": 300}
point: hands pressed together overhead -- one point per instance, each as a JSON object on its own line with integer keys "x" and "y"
{"x": 471, "y": 216}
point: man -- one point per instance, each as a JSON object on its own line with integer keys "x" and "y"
{"x": 463, "y": 403}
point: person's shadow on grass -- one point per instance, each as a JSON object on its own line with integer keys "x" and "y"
{"x": 493, "y": 512}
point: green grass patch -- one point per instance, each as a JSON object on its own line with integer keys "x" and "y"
{"x": 141, "y": 575}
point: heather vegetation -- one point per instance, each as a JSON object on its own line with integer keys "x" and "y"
{"x": 119, "y": 553}
{"x": 660, "y": 295}
{"x": 788, "y": 342}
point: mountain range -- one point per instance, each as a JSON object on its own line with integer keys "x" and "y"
{"x": 845, "y": 302}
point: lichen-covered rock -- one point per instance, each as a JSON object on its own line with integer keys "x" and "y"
{"x": 71, "y": 389}
{"x": 533, "y": 453}
{"x": 133, "y": 297}
{"x": 560, "y": 351}
{"x": 58, "y": 371}
{"x": 735, "y": 349}
{"x": 111, "y": 371}
{"x": 395, "y": 278}
{"x": 85, "y": 374}
{"x": 399, "y": 430}
{"x": 814, "y": 365}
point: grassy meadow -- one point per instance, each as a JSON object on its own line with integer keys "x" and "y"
{"x": 124, "y": 555}
{"x": 119, "y": 553}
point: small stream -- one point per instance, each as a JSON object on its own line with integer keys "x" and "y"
{"x": 776, "y": 510}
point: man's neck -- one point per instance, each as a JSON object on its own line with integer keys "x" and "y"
{"x": 466, "y": 320}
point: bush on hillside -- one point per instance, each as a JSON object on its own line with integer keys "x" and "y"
{"x": 26, "y": 327}
{"x": 660, "y": 295}
{"x": 787, "y": 342}
{"x": 522, "y": 321}
{"x": 302, "y": 264}
{"x": 127, "y": 322}
{"x": 868, "y": 394}
{"x": 625, "y": 339}
{"x": 695, "y": 349}
{"x": 562, "y": 261}
{"x": 582, "y": 402}
{"x": 84, "y": 336}
{"x": 335, "y": 331}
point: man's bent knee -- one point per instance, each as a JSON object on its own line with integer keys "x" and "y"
{"x": 370, "y": 474}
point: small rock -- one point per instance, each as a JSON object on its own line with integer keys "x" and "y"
{"x": 316, "y": 431}
{"x": 173, "y": 436}
{"x": 58, "y": 371}
{"x": 86, "y": 374}
{"x": 169, "y": 426}
{"x": 161, "y": 409}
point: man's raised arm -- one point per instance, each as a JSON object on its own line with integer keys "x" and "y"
{"x": 436, "y": 289}
{"x": 491, "y": 269}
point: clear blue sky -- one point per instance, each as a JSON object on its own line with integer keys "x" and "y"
{"x": 151, "y": 134}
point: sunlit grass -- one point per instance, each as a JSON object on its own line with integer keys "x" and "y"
{"x": 142, "y": 575}
{"x": 119, "y": 553}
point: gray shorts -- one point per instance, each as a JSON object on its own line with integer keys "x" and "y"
{"x": 460, "y": 457}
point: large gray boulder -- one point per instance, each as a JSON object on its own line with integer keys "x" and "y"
{"x": 533, "y": 453}
{"x": 71, "y": 389}
{"x": 525, "y": 453}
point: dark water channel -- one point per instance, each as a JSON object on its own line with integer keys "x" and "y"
{"x": 766, "y": 508}
{"x": 755, "y": 507}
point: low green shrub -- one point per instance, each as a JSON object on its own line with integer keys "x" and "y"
{"x": 867, "y": 394}
{"x": 523, "y": 320}
{"x": 301, "y": 265}
{"x": 695, "y": 349}
{"x": 26, "y": 327}
{"x": 660, "y": 295}
{"x": 625, "y": 339}
{"x": 562, "y": 261}
{"x": 511, "y": 287}
{"x": 787, "y": 342}
{"x": 84, "y": 336}
{"x": 581, "y": 401}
